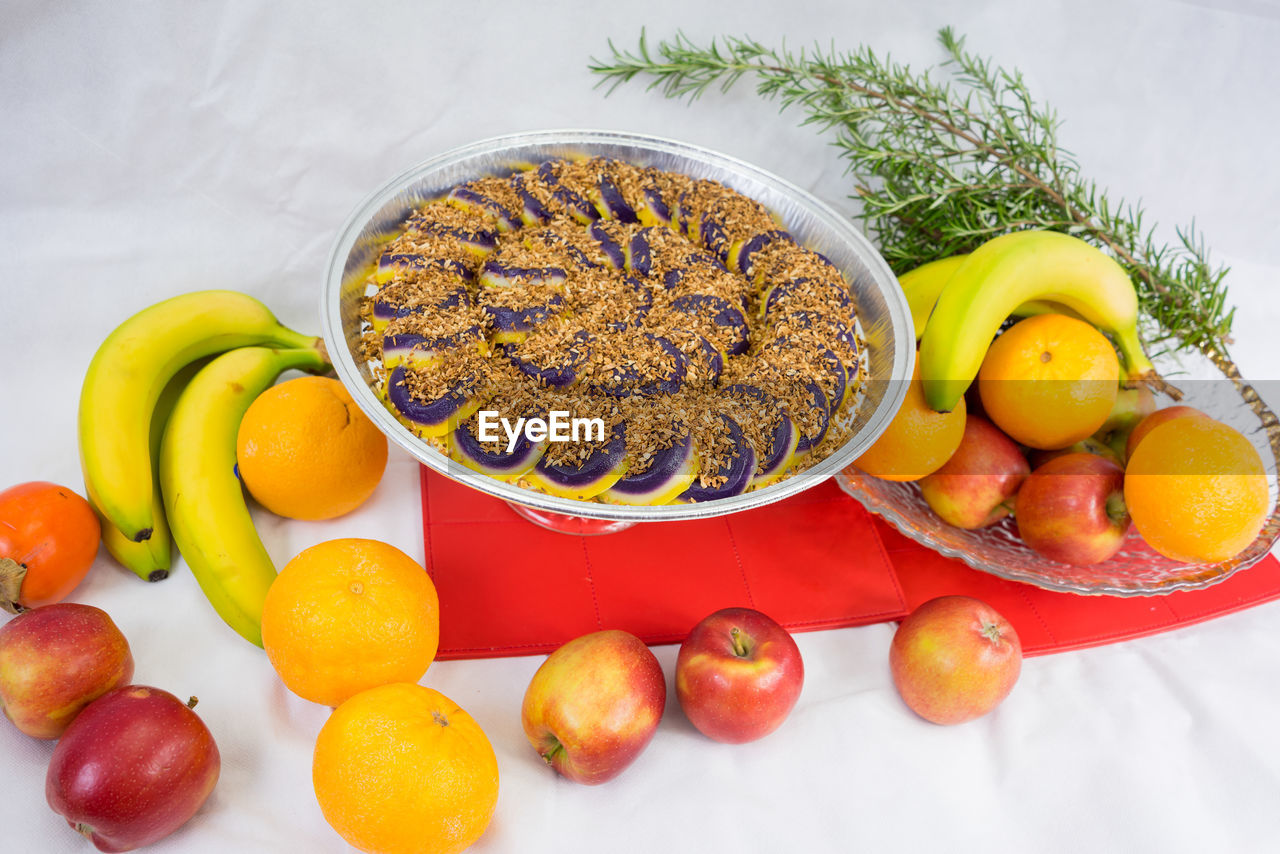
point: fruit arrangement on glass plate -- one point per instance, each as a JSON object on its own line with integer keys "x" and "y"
{"x": 1059, "y": 430}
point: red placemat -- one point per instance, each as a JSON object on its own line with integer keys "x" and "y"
{"x": 815, "y": 561}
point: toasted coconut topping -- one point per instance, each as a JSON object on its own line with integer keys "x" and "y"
{"x": 648, "y": 348}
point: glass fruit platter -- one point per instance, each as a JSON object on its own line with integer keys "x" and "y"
{"x": 884, "y": 324}
{"x": 1136, "y": 570}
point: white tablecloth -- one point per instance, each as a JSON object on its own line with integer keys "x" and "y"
{"x": 151, "y": 149}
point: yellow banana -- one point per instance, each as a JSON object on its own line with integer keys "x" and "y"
{"x": 924, "y": 285}
{"x": 1006, "y": 272}
{"x": 125, "y": 380}
{"x": 203, "y": 498}
{"x": 150, "y": 559}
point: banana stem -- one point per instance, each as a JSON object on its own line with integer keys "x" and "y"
{"x": 310, "y": 358}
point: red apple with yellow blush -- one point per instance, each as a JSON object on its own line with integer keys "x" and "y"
{"x": 54, "y": 661}
{"x": 975, "y": 487}
{"x": 1072, "y": 510}
{"x": 593, "y": 706}
{"x": 954, "y": 659}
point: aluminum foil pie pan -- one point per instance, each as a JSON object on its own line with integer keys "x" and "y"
{"x": 883, "y": 316}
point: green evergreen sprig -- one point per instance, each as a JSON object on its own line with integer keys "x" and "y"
{"x": 946, "y": 158}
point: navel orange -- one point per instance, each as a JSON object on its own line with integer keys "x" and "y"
{"x": 1196, "y": 490}
{"x": 347, "y": 615}
{"x": 917, "y": 441}
{"x": 400, "y": 769}
{"x": 1049, "y": 381}
{"x": 306, "y": 451}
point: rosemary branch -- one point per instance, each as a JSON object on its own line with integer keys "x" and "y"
{"x": 940, "y": 166}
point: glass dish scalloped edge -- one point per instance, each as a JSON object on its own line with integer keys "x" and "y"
{"x": 883, "y": 315}
{"x": 1213, "y": 386}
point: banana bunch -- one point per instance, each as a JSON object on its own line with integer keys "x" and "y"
{"x": 958, "y": 304}
{"x": 157, "y": 429}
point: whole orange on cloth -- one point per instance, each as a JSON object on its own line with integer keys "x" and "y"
{"x": 348, "y": 615}
{"x": 306, "y": 451}
{"x": 1196, "y": 489}
{"x": 1049, "y": 381}
{"x": 401, "y": 769}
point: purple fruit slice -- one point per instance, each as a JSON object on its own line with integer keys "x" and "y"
{"x": 714, "y": 236}
{"x": 533, "y": 212}
{"x": 829, "y": 327}
{"x": 820, "y": 412}
{"x": 424, "y": 350}
{"x": 626, "y": 380}
{"x": 564, "y": 372}
{"x": 778, "y": 295}
{"x": 612, "y": 204}
{"x": 654, "y": 210}
{"x": 385, "y": 310}
{"x": 395, "y": 262}
{"x": 691, "y": 263}
{"x": 670, "y": 473}
{"x": 478, "y": 241}
{"x": 742, "y": 254}
{"x": 594, "y": 475}
{"x": 497, "y": 274}
{"x": 773, "y": 460}
{"x": 609, "y": 245}
{"x": 468, "y": 199}
{"x": 434, "y": 417}
{"x": 493, "y": 458}
{"x": 719, "y": 313}
{"x": 704, "y": 361}
{"x": 513, "y": 324}
{"x": 733, "y": 475}
{"x": 576, "y": 204}
{"x": 639, "y": 259}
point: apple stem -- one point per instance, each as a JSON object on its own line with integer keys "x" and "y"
{"x": 84, "y": 830}
{"x": 554, "y": 750}
{"x": 11, "y": 575}
{"x": 991, "y": 632}
{"x": 1116, "y": 508}
{"x": 191, "y": 702}
{"x": 740, "y": 648}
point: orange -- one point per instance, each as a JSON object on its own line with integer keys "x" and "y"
{"x": 1049, "y": 381}
{"x": 306, "y": 451}
{"x": 1196, "y": 490}
{"x": 347, "y": 615}
{"x": 917, "y": 441}
{"x": 401, "y": 768}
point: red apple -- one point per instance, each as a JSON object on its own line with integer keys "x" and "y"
{"x": 975, "y": 487}
{"x": 954, "y": 659}
{"x": 132, "y": 768}
{"x": 594, "y": 704}
{"x": 1154, "y": 420}
{"x": 54, "y": 661}
{"x": 1072, "y": 509}
{"x": 738, "y": 675}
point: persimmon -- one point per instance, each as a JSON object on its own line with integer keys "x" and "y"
{"x": 48, "y": 540}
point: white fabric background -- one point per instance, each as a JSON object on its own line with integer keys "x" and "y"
{"x": 151, "y": 149}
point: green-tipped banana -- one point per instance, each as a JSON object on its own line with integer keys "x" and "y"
{"x": 150, "y": 559}
{"x": 203, "y": 498}
{"x": 1006, "y": 272}
{"x": 125, "y": 380}
{"x": 924, "y": 285}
